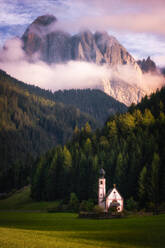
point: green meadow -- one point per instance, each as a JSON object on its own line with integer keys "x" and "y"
{"x": 66, "y": 230}
{"x": 24, "y": 223}
{"x": 21, "y": 200}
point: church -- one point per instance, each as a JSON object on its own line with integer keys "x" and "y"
{"x": 110, "y": 199}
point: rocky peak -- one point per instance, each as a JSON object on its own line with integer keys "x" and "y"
{"x": 34, "y": 36}
{"x": 85, "y": 37}
{"x": 104, "y": 39}
{"x": 45, "y": 20}
{"x": 56, "y": 46}
{"x": 147, "y": 65}
{"x": 41, "y": 25}
{"x": 100, "y": 48}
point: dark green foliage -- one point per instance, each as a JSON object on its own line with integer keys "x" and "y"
{"x": 29, "y": 126}
{"x": 131, "y": 149}
{"x": 74, "y": 202}
{"x": 93, "y": 102}
{"x": 131, "y": 205}
{"x": 87, "y": 206}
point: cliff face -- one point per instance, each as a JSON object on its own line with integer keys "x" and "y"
{"x": 51, "y": 45}
{"x": 34, "y": 35}
{"x": 55, "y": 46}
{"x": 122, "y": 91}
{"x": 147, "y": 65}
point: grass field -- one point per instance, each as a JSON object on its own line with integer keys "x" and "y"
{"x": 65, "y": 230}
{"x": 21, "y": 200}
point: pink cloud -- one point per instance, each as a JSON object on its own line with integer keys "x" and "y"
{"x": 74, "y": 74}
{"x": 128, "y": 15}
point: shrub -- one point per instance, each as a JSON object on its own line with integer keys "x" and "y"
{"x": 162, "y": 207}
{"x": 87, "y": 206}
{"x": 112, "y": 210}
{"x": 98, "y": 209}
{"x": 74, "y": 202}
{"x": 131, "y": 204}
{"x": 56, "y": 208}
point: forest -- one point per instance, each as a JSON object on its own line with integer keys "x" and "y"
{"x": 32, "y": 122}
{"x": 91, "y": 101}
{"x": 130, "y": 147}
{"x": 58, "y": 148}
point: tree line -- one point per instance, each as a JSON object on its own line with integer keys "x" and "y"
{"x": 130, "y": 147}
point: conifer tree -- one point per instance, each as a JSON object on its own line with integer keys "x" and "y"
{"x": 155, "y": 180}
{"x": 142, "y": 185}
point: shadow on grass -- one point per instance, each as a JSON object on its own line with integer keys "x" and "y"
{"x": 135, "y": 231}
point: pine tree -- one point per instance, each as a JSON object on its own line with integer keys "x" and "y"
{"x": 142, "y": 186}
{"x": 155, "y": 180}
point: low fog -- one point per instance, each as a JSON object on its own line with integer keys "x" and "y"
{"x": 74, "y": 74}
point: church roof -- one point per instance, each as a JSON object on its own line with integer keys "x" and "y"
{"x": 110, "y": 191}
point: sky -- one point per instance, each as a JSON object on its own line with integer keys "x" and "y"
{"x": 137, "y": 24}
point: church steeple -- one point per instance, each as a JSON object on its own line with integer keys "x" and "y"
{"x": 102, "y": 173}
{"x": 101, "y": 188}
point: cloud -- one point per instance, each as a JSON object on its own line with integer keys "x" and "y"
{"x": 12, "y": 14}
{"x": 74, "y": 74}
{"x": 152, "y": 82}
{"x": 129, "y": 22}
{"x": 12, "y": 51}
{"x": 130, "y": 15}
{"x": 60, "y": 76}
{"x": 138, "y": 16}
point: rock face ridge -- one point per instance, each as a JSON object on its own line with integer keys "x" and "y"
{"x": 52, "y": 45}
{"x": 55, "y": 45}
{"x": 147, "y": 65}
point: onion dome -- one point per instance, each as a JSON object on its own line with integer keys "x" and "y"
{"x": 102, "y": 173}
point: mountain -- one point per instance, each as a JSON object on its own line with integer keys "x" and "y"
{"x": 53, "y": 45}
{"x": 163, "y": 71}
{"x": 131, "y": 149}
{"x": 56, "y": 46}
{"x": 147, "y": 65}
{"x": 34, "y": 120}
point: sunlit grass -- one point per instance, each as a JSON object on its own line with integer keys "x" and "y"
{"x": 21, "y": 200}
{"x": 65, "y": 230}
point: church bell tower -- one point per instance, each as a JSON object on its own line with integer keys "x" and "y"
{"x": 101, "y": 188}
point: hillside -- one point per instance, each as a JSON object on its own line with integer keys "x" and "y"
{"x": 34, "y": 120}
{"x": 93, "y": 102}
{"x": 130, "y": 148}
{"x": 21, "y": 200}
{"x": 29, "y": 126}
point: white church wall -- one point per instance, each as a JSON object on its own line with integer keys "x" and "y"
{"x": 114, "y": 195}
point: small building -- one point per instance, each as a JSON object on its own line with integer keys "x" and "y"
{"x": 111, "y": 198}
